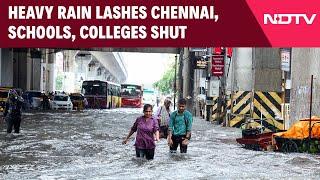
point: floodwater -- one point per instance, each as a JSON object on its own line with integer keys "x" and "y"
{"x": 87, "y": 145}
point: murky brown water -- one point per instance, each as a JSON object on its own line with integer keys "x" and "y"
{"x": 87, "y": 145}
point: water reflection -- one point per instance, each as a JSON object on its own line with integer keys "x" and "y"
{"x": 87, "y": 145}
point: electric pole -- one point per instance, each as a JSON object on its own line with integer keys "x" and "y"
{"x": 209, "y": 99}
{"x": 224, "y": 85}
{"x": 175, "y": 83}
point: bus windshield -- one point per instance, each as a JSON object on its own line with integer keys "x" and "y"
{"x": 130, "y": 91}
{"x": 94, "y": 88}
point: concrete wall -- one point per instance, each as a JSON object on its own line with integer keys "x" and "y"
{"x": 267, "y": 74}
{"x": 305, "y": 62}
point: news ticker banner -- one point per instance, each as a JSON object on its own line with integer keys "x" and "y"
{"x": 159, "y": 23}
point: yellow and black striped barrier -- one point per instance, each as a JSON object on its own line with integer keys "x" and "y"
{"x": 215, "y": 109}
{"x": 266, "y": 105}
{"x": 241, "y": 108}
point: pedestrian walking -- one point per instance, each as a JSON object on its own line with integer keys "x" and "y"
{"x": 45, "y": 102}
{"x": 163, "y": 115}
{"x": 180, "y": 126}
{"x": 158, "y": 101}
{"x": 147, "y": 129}
{"x": 12, "y": 112}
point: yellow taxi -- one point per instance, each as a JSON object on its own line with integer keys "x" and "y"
{"x": 78, "y": 100}
{"x": 3, "y": 97}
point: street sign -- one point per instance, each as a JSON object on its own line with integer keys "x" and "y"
{"x": 285, "y": 60}
{"x": 217, "y": 65}
{"x": 214, "y": 88}
{"x": 201, "y": 63}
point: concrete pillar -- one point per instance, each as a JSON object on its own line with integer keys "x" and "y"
{"x": 27, "y": 69}
{"x": 35, "y": 61}
{"x": 182, "y": 56}
{"x": 243, "y": 73}
{"x": 188, "y": 73}
{"x": 6, "y": 70}
{"x": 267, "y": 66}
{"x": 50, "y": 84}
{"x": 21, "y": 67}
{"x": 305, "y": 62}
{"x": 69, "y": 60}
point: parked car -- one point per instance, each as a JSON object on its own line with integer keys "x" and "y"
{"x": 3, "y": 97}
{"x": 79, "y": 101}
{"x": 33, "y": 99}
{"x": 61, "y": 101}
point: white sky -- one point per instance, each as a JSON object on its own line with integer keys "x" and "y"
{"x": 146, "y": 68}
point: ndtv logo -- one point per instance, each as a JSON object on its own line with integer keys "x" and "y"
{"x": 288, "y": 18}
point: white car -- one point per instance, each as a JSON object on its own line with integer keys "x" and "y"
{"x": 61, "y": 101}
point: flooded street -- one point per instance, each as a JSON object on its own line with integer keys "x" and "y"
{"x": 87, "y": 145}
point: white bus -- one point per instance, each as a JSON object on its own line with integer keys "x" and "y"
{"x": 149, "y": 97}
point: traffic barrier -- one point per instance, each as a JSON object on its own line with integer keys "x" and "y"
{"x": 241, "y": 108}
{"x": 267, "y": 105}
{"x": 215, "y": 109}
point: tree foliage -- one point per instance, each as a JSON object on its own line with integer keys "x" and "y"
{"x": 165, "y": 84}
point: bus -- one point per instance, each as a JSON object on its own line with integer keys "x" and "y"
{"x": 131, "y": 95}
{"x": 101, "y": 94}
{"x": 115, "y": 90}
{"x": 149, "y": 97}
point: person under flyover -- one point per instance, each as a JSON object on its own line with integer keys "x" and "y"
{"x": 180, "y": 126}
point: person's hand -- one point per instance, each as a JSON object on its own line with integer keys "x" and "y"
{"x": 170, "y": 142}
{"x": 156, "y": 140}
{"x": 185, "y": 142}
{"x": 125, "y": 141}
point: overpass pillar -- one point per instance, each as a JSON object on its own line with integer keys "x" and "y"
{"x": 21, "y": 77}
{"x": 6, "y": 68}
{"x": 188, "y": 82}
{"x": 49, "y": 74}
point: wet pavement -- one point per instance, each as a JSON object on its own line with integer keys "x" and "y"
{"x": 87, "y": 145}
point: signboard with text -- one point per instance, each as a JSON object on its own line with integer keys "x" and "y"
{"x": 285, "y": 60}
{"x": 214, "y": 88}
{"x": 201, "y": 63}
{"x": 217, "y": 65}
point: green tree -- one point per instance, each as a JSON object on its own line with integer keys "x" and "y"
{"x": 165, "y": 84}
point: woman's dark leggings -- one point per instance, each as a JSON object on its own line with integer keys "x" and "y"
{"x": 145, "y": 153}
